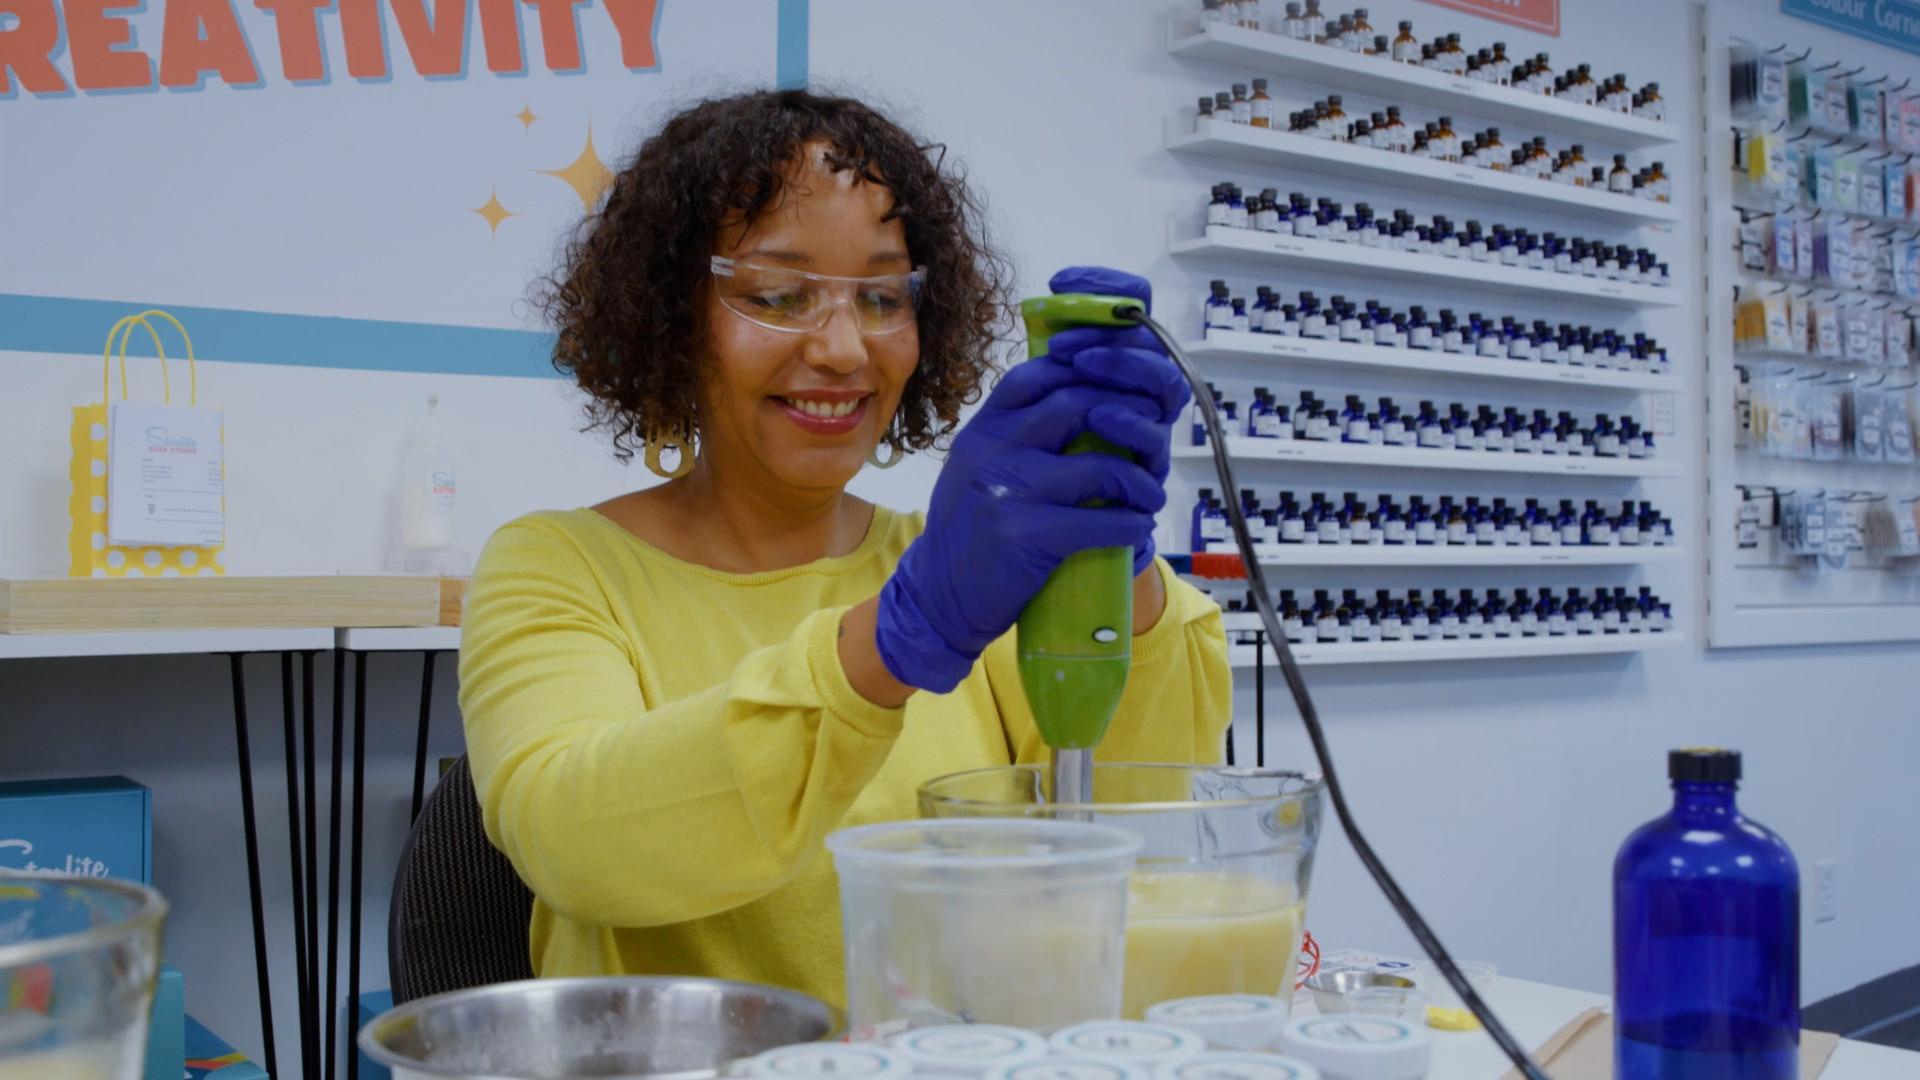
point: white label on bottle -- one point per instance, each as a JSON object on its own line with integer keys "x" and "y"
{"x": 1456, "y": 532}
{"x": 1426, "y": 532}
{"x": 1395, "y": 531}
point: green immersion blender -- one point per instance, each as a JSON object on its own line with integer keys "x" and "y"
{"x": 1075, "y": 640}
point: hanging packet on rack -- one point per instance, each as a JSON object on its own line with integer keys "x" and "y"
{"x": 1899, "y": 335}
{"x": 1897, "y": 417}
{"x": 1905, "y": 522}
{"x": 1871, "y": 194}
{"x": 1826, "y": 415}
{"x": 1782, "y": 246}
{"x": 1826, "y": 328}
{"x": 1855, "y": 341}
{"x": 1846, "y": 183}
{"x": 1799, "y": 323}
{"x": 1866, "y": 108}
{"x": 1893, "y": 189}
{"x": 1820, "y": 176}
{"x": 1869, "y": 424}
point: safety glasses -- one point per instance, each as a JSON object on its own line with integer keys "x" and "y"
{"x": 796, "y": 302}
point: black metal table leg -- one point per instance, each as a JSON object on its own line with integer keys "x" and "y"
{"x": 303, "y": 985}
{"x": 420, "y": 740}
{"x": 332, "y": 1003}
{"x": 1260, "y": 698}
{"x": 244, "y": 750}
{"x": 310, "y": 931}
{"x": 353, "y": 894}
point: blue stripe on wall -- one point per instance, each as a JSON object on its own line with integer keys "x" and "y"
{"x": 791, "y": 52}
{"x": 66, "y": 325}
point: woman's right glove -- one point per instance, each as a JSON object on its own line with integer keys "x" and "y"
{"x": 1006, "y": 509}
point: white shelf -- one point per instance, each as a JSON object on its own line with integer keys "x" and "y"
{"x": 1328, "y": 256}
{"x": 162, "y": 642}
{"x": 1299, "y": 451}
{"x": 1234, "y": 345}
{"x": 1267, "y": 53}
{"x": 1279, "y": 556}
{"x": 1263, "y": 146}
{"x": 400, "y": 639}
{"x": 1380, "y": 652}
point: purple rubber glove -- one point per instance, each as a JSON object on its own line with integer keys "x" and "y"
{"x": 1095, "y": 355}
{"x": 1006, "y": 509}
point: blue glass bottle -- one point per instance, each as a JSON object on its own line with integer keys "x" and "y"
{"x": 1706, "y": 937}
{"x": 1197, "y": 538}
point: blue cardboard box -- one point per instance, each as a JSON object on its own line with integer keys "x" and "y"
{"x": 99, "y": 826}
{"x": 167, "y": 1033}
{"x": 372, "y": 1004}
{"x": 210, "y": 1058}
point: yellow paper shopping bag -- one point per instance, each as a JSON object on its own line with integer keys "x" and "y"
{"x": 147, "y": 482}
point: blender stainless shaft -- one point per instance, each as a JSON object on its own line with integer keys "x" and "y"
{"x": 1070, "y": 780}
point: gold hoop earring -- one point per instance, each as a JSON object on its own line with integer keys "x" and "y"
{"x": 681, "y": 467}
{"x": 873, "y": 458}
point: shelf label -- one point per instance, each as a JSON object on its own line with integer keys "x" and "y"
{"x": 1661, "y": 422}
{"x": 1540, "y": 16}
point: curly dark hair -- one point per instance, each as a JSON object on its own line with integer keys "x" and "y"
{"x": 627, "y": 299}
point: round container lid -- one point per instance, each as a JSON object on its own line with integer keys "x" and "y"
{"x": 1128, "y": 1040}
{"x": 1234, "y": 1021}
{"x": 968, "y": 1048}
{"x": 842, "y": 1061}
{"x": 1355, "y": 1047}
{"x": 1237, "y": 1065}
{"x": 1070, "y": 1067}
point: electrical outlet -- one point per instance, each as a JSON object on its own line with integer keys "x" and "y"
{"x": 1826, "y": 891}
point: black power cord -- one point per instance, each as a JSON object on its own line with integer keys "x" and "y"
{"x": 1310, "y": 717}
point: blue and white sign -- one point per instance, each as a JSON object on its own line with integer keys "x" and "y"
{"x": 1893, "y": 23}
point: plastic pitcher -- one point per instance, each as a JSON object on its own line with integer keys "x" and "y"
{"x": 1219, "y": 894}
{"x": 78, "y": 958}
{"x": 1005, "y": 922}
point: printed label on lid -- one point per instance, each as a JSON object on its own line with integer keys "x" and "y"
{"x": 1070, "y": 1069}
{"x": 1355, "y": 1031}
{"x": 980, "y": 1043}
{"x": 1124, "y": 1041}
{"x": 1237, "y": 1067}
{"x": 825, "y": 1061}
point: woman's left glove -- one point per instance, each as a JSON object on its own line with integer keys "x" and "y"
{"x": 1132, "y": 360}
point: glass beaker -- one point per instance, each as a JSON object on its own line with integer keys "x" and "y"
{"x": 996, "y": 922}
{"x": 1218, "y": 898}
{"x": 78, "y": 958}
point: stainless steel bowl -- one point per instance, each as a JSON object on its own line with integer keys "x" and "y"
{"x": 1330, "y": 988}
{"x": 611, "y": 1028}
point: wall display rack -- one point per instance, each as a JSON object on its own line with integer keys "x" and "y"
{"x": 1268, "y": 157}
{"x": 1803, "y": 549}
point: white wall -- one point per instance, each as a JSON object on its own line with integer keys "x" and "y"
{"x": 1498, "y": 792}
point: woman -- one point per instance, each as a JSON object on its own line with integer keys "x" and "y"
{"x": 672, "y": 697}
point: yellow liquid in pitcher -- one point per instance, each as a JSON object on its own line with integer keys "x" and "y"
{"x": 1206, "y": 933}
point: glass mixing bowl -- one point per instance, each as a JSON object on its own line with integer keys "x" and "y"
{"x": 1218, "y": 896}
{"x": 78, "y": 957}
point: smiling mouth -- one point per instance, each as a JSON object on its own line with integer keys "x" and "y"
{"x": 823, "y": 410}
{"x": 822, "y": 417}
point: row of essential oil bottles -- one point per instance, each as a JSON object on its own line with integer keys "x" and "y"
{"x": 1456, "y": 522}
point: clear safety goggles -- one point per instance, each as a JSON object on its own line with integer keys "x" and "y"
{"x": 796, "y": 302}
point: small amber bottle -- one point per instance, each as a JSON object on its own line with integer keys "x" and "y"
{"x": 1406, "y": 48}
{"x": 1261, "y": 113}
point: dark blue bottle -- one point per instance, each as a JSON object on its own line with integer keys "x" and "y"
{"x": 1706, "y": 937}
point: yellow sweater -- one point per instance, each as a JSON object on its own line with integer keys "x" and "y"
{"x": 660, "y": 747}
